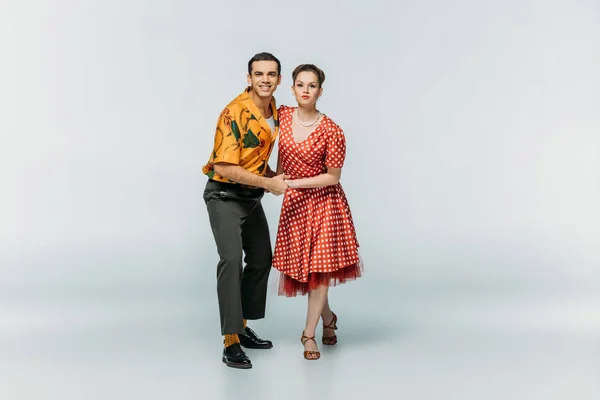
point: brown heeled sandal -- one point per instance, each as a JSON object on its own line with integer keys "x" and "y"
{"x": 330, "y": 340}
{"x": 310, "y": 354}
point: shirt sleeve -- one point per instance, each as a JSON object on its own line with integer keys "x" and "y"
{"x": 227, "y": 146}
{"x": 336, "y": 150}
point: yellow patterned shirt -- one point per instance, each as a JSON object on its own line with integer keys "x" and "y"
{"x": 243, "y": 137}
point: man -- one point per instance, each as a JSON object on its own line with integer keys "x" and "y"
{"x": 239, "y": 175}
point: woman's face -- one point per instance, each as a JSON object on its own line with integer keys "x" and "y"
{"x": 306, "y": 88}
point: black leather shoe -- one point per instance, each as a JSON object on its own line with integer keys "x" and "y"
{"x": 251, "y": 340}
{"x": 234, "y": 357}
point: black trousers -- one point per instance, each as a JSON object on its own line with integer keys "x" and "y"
{"x": 240, "y": 228}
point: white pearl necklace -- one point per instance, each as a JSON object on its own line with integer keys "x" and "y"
{"x": 309, "y": 125}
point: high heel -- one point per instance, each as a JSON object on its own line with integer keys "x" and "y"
{"x": 310, "y": 354}
{"x": 330, "y": 340}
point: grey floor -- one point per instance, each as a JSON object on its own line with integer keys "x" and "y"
{"x": 396, "y": 341}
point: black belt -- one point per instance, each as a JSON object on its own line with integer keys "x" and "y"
{"x": 237, "y": 185}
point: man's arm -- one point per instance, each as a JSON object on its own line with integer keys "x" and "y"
{"x": 233, "y": 172}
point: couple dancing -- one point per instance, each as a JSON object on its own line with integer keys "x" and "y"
{"x": 316, "y": 245}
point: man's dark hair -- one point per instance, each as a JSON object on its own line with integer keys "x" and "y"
{"x": 264, "y": 57}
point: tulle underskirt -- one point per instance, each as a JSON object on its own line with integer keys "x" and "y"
{"x": 291, "y": 287}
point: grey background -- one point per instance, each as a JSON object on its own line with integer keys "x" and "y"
{"x": 472, "y": 171}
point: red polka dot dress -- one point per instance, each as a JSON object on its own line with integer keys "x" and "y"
{"x": 316, "y": 241}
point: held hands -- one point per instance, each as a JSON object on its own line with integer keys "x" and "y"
{"x": 290, "y": 182}
{"x": 277, "y": 184}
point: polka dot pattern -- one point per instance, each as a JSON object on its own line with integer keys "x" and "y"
{"x": 316, "y": 232}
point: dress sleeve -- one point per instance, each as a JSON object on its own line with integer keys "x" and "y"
{"x": 336, "y": 149}
{"x": 227, "y": 146}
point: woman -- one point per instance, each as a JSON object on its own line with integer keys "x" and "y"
{"x": 316, "y": 245}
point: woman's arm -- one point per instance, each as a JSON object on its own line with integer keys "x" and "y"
{"x": 331, "y": 177}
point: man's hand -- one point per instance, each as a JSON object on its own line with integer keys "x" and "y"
{"x": 276, "y": 185}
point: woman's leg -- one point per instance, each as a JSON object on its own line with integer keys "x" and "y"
{"x": 327, "y": 317}
{"x": 316, "y": 300}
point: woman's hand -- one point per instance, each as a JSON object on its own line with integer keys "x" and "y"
{"x": 291, "y": 183}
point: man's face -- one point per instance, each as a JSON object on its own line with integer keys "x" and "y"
{"x": 264, "y": 78}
